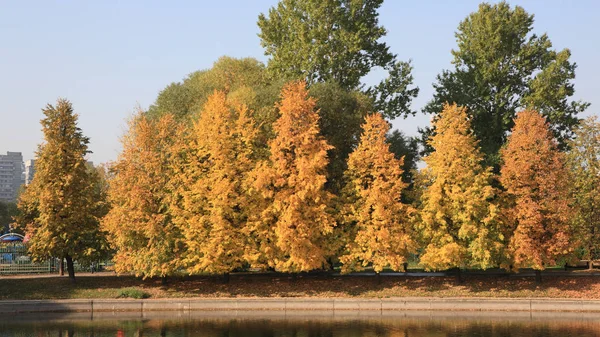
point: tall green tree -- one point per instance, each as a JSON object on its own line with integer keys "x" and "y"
{"x": 407, "y": 149}
{"x": 62, "y": 207}
{"x": 583, "y": 160}
{"x": 335, "y": 40}
{"x": 8, "y": 210}
{"x": 500, "y": 67}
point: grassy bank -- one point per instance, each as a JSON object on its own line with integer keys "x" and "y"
{"x": 110, "y": 286}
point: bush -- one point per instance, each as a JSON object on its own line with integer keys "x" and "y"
{"x": 133, "y": 293}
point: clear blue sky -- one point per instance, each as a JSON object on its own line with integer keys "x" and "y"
{"x": 109, "y": 56}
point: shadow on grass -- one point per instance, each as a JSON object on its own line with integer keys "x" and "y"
{"x": 281, "y": 285}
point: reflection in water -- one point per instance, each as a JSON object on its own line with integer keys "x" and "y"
{"x": 233, "y": 324}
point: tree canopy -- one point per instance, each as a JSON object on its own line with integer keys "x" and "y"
{"x": 381, "y": 233}
{"x": 461, "y": 220}
{"x": 537, "y": 184}
{"x": 62, "y": 207}
{"x": 140, "y": 222}
{"x": 501, "y": 67}
{"x": 292, "y": 228}
{"x": 339, "y": 41}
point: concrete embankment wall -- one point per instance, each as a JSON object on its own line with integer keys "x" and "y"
{"x": 301, "y": 304}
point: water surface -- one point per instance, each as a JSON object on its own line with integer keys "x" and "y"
{"x": 309, "y": 324}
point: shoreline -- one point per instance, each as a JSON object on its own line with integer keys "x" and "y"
{"x": 294, "y": 305}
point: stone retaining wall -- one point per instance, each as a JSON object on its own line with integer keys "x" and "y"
{"x": 301, "y": 304}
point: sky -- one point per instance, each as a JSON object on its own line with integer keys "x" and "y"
{"x": 109, "y": 57}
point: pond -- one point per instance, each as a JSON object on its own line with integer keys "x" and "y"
{"x": 309, "y": 324}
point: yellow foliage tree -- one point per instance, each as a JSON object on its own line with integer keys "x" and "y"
{"x": 212, "y": 209}
{"x": 292, "y": 223}
{"x": 537, "y": 183}
{"x": 62, "y": 207}
{"x": 381, "y": 233}
{"x": 460, "y": 219}
{"x": 142, "y": 232}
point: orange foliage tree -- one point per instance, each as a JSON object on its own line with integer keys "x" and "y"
{"x": 292, "y": 223}
{"x": 460, "y": 219}
{"x": 380, "y": 233}
{"x": 146, "y": 241}
{"x": 536, "y": 180}
{"x": 212, "y": 210}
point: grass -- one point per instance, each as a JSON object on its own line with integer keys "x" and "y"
{"x": 109, "y": 286}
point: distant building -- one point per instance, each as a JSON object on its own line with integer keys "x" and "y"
{"x": 29, "y": 171}
{"x": 11, "y": 175}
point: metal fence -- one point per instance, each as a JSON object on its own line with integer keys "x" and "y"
{"x": 15, "y": 260}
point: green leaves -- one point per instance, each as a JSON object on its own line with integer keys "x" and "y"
{"x": 335, "y": 41}
{"x": 500, "y": 68}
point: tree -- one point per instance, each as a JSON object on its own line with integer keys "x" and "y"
{"x": 291, "y": 230}
{"x": 339, "y": 41}
{"x": 537, "y": 183}
{"x": 407, "y": 149}
{"x": 500, "y": 67}
{"x": 214, "y": 204}
{"x": 461, "y": 222}
{"x": 140, "y": 225}
{"x": 381, "y": 231}
{"x": 583, "y": 160}
{"x": 8, "y": 210}
{"x": 243, "y": 80}
{"x": 61, "y": 209}
{"x": 341, "y": 113}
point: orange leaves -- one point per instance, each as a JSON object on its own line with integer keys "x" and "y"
{"x": 145, "y": 239}
{"x": 293, "y": 221}
{"x": 214, "y": 203}
{"x": 380, "y": 233}
{"x": 536, "y": 181}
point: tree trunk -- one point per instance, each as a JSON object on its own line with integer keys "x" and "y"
{"x": 70, "y": 268}
{"x": 538, "y": 276}
{"x": 61, "y": 267}
{"x": 226, "y": 278}
{"x": 405, "y": 266}
{"x": 164, "y": 280}
{"x": 378, "y": 277}
{"x": 459, "y": 276}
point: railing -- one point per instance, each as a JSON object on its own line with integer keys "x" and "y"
{"x": 15, "y": 260}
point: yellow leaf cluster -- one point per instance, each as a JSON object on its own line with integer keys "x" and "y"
{"x": 292, "y": 221}
{"x": 381, "y": 234}
{"x": 140, "y": 225}
{"x": 460, "y": 218}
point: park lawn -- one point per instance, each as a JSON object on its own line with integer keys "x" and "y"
{"x": 111, "y": 286}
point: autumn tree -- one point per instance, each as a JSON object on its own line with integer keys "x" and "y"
{"x": 61, "y": 208}
{"x": 460, "y": 219}
{"x": 537, "y": 183}
{"x": 140, "y": 225}
{"x": 381, "y": 233}
{"x": 336, "y": 41}
{"x": 501, "y": 67}
{"x": 212, "y": 211}
{"x": 245, "y": 81}
{"x": 584, "y": 162}
{"x": 291, "y": 230}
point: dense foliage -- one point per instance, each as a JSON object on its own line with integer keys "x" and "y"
{"x": 501, "y": 67}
